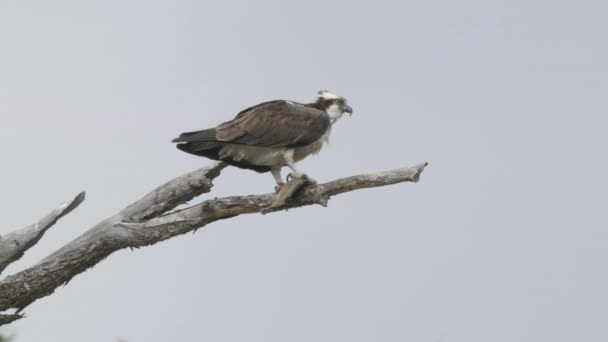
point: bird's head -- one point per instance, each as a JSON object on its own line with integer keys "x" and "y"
{"x": 335, "y": 106}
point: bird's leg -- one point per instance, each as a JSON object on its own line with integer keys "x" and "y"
{"x": 285, "y": 191}
{"x": 276, "y": 173}
{"x": 288, "y": 155}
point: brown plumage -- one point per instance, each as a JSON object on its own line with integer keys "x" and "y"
{"x": 275, "y": 124}
{"x": 269, "y": 135}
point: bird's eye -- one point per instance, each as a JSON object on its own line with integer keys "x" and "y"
{"x": 340, "y": 102}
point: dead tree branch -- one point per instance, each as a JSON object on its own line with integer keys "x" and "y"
{"x": 13, "y": 245}
{"x": 150, "y": 220}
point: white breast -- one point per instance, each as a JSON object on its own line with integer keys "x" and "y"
{"x": 268, "y": 156}
{"x": 314, "y": 148}
{"x": 264, "y": 156}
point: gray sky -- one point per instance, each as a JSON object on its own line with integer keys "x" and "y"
{"x": 504, "y": 239}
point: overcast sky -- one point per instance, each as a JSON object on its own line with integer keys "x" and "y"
{"x": 504, "y": 239}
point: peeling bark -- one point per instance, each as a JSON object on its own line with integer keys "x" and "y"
{"x": 150, "y": 220}
{"x": 14, "y": 245}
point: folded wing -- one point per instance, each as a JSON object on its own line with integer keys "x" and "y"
{"x": 270, "y": 124}
{"x": 275, "y": 124}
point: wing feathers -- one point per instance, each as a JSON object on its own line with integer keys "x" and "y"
{"x": 204, "y": 135}
{"x": 275, "y": 124}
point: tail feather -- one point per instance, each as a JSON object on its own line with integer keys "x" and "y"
{"x": 204, "y": 143}
{"x": 211, "y": 150}
{"x": 203, "y": 149}
{"x": 198, "y": 136}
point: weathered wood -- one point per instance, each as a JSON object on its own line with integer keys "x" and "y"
{"x": 13, "y": 245}
{"x": 149, "y": 221}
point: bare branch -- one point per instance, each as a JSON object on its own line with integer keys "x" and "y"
{"x": 173, "y": 193}
{"x": 200, "y": 215}
{"x": 147, "y": 222}
{"x": 13, "y": 245}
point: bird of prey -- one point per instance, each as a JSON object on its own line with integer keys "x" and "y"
{"x": 270, "y": 135}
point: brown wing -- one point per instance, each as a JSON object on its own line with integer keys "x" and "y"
{"x": 275, "y": 124}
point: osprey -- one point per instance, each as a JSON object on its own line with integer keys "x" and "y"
{"x": 270, "y": 135}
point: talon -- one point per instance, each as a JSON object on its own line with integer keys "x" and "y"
{"x": 303, "y": 176}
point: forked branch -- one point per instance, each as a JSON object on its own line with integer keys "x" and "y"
{"x": 150, "y": 220}
{"x": 13, "y": 245}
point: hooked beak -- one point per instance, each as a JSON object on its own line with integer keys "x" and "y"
{"x": 347, "y": 109}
